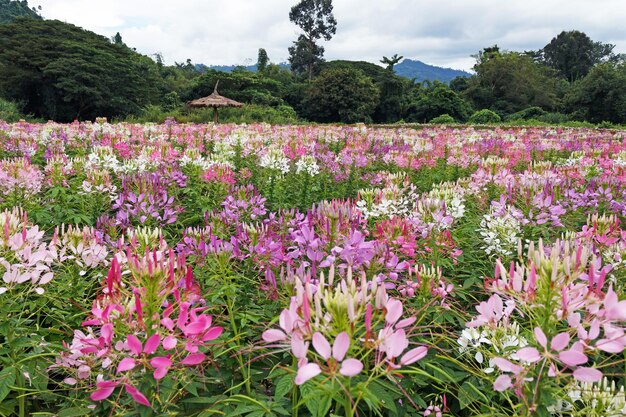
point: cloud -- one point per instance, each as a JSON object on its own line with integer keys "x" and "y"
{"x": 445, "y": 32}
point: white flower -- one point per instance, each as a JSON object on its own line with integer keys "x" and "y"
{"x": 275, "y": 159}
{"x": 308, "y": 164}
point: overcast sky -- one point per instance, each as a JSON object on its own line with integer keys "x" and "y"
{"x": 440, "y": 32}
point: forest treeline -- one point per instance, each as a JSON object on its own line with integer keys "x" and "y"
{"x": 53, "y": 70}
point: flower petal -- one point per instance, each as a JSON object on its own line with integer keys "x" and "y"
{"x": 529, "y": 354}
{"x": 134, "y": 344}
{"x": 559, "y": 342}
{"x": 273, "y": 335}
{"x": 125, "y": 364}
{"x": 341, "y": 345}
{"x": 193, "y": 359}
{"x": 321, "y": 345}
{"x": 105, "y": 389}
{"x": 541, "y": 338}
{"x": 587, "y": 374}
{"x": 351, "y": 367}
{"x": 414, "y": 355}
{"x": 502, "y": 383}
{"x": 306, "y": 372}
{"x": 137, "y": 395}
{"x": 152, "y": 344}
{"x": 572, "y": 357}
{"x": 394, "y": 310}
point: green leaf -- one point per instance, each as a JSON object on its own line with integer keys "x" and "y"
{"x": 74, "y": 411}
{"x": 468, "y": 393}
{"x": 283, "y": 386}
{"x": 7, "y": 378}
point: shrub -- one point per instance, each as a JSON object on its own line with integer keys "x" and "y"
{"x": 444, "y": 119}
{"x": 9, "y": 111}
{"x": 484, "y": 116}
{"x": 528, "y": 113}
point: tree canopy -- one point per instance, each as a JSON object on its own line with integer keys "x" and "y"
{"x": 12, "y": 9}
{"x": 64, "y": 72}
{"x": 341, "y": 95}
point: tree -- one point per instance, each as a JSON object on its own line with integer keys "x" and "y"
{"x": 507, "y": 82}
{"x": 601, "y": 95}
{"x": 573, "y": 54}
{"x": 315, "y": 18}
{"x": 262, "y": 60}
{"x": 117, "y": 39}
{"x": 341, "y": 95}
{"x": 63, "y": 72}
{"x": 390, "y": 62}
{"x": 12, "y": 9}
{"x": 436, "y": 100}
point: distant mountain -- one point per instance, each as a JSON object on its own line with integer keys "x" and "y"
{"x": 420, "y": 71}
{"x": 407, "y": 68}
{"x": 230, "y": 68}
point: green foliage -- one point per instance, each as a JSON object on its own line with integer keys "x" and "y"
{"x": 251, "y": 113}
{"x": 601, "y": 95}
{"x": 9, "y": 111}
{"x": 242, "y": 85}
{"x": 436, "y": 100}
{"x": 509, "y": 82}
{"x": 484, "y": 116}
{"x": 341, "y": 95}
{"x": 315, "y": 18}
{"x": 391, "y": 62}
{"x": 13, "y": 9}
{"x": 444, "y": 119}
{"x": 529, "y": 113}
{"x": 262, "y": 60}
{"x": 63, "y": 72}
{"x": 573, "y": 54}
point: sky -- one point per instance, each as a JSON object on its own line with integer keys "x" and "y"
{"x": 438, "y": 32}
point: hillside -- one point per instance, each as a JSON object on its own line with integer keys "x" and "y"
{"x": 420, "y": 71}
{"x": 408, "y": 68}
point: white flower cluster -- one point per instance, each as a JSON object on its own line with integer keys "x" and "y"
{"x": 81, "y": 247}
{"x": 102, "y": 157}
{"x": 387, "y": 202}
{"x": 223, "y": 152}
{"x": 574, "y": 159}
{"x": 275, "y": 159}
{"x": 597, "y": 399}
{"x": 454, "y": 197}
{"x": 500, "y": 233}
{"x": 140, "y": 164}
{"x": 308, "y": 164}
{"x": 487, "y": 343}
{"x": 620, "y": 159}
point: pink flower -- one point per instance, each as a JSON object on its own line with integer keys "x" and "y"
{"x": 193, "y": 359}
{"x": 105, "y": 389}
{"x": 587, "y": 374}
{"x": 502, "y": 383}
{"x": 349, "y": 367}
{"x": 125, "y": 364}
{"x": 137, "y": 395}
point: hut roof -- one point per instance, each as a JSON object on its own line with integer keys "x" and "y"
{"x": 214, "y": 100}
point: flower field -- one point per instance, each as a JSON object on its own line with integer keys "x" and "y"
{"x": 200, "y": 270}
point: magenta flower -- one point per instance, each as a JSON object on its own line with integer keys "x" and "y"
{"x": 105, "y": 389}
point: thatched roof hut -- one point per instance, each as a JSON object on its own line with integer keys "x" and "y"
{"x": 215, "y": 101}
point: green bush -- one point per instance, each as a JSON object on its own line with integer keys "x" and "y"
{"x": 9, "y": 111}
{"x": 250, "y": 113}
{"x": 529, "y": 113}
{"x": 554, "y": 118}
{"x": 483, "y": 117}
{"x": 444, "y": 119}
